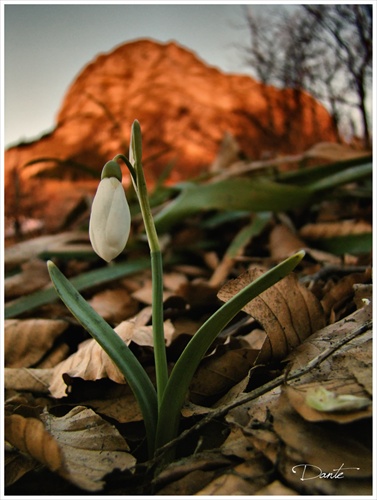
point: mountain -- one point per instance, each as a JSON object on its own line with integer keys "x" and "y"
{"x": 185, "y": 108}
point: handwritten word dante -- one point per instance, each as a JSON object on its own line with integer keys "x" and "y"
{"x": 308, "y": 471}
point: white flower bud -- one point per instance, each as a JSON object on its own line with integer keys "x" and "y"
{"x": 110, "y": 219}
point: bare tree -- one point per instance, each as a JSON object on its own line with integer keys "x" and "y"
{"x": 350, "y": 28}
{"x": 323, "y": 50}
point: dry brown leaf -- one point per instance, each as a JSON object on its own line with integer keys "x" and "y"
{"x": 30, "y": 436}
{"x": 276, "y": 488}
{"x": 34, "y": 275}
{"x": 119, "y": 403}
{"x": 90, "y": 362}
{"x": 28, "y": 379}
{"x": 319, "y": 445}
{"x": 198, "y": 293}
{"x": 258, "y": 412}
{"x": 16, "y": 465}
{"x": 173, "y": 280}
{"x": 202, "y": 461}
{"x": 287, "y": 311}
{"x": 363, "y": 294}
{"x": 338, "y": 294}
{"x": 284, "y": 242}
{"x": 243, "y": 479}
{"x": 326, "y": 395}
{"x": 226, "y": 485}
{"x": 91, "y": 447}
{"x": 321, "y": 230}
{"x": 273, "y": 426}
{"x": 360, "y": 365}
{"x": 55, "y": 356}
{"x": 144, "y": 293}
{"x": 189, "y": 484}
{"x": 237, "y": 444}
{"x": 26, "y": 250}
{"x": 332, "y": 151}
{"x": 343, "y": 382}
{"x": 27, "y": 341}
{"x": 219, "y": 372}
{"x": 323, "y": 257}
{"x": 114, "y": 305}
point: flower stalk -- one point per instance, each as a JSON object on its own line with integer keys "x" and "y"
{"x": 109, "y": 230}
{"x": 135, "y": 167}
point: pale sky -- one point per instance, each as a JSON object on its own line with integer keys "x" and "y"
{"x": 47, "y": 44}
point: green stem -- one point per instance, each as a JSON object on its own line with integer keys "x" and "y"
{"x": 140, "y": 185}
{"x": 184, "y": 369}
{"x": 158, "y": 325}
{"x": 157, "y": 285}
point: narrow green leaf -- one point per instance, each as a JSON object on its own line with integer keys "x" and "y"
{"x": 114, "y": 346}
{"x": 337, "y": 179}
{"x": 189, "y": 360}
{"x": 81, "y": 282}
{"x": 353, "y": 244}
{"x": 254, "y": 195}
{"x": 260, "y": 194}
{"x": 247, "y": 232}
{"x": 309, "y": 175}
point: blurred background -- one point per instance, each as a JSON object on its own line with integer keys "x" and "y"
{"x": 260, "y": 81}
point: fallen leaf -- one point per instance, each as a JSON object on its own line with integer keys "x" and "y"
{"x": 34, "y": 275}
{"x": 276, "y": 488}
{"x": 333, "y": 151}
{"x": 284, "y": 242}
{"x": 316, "y": 403}
{"x": 90, "y": 361}
{"x": 338, "y": 294}
{"x": 324, "y": 400}
{"x": 202, "y": 461}
{"x": 119, "y": 405}
{"x": 28, "y": 379}
{"x": 244, "y": 479}
{"x": 321, "y": 230}
{"x": 27, "y": 341}
{"x": 219, "y": 372}
{"x": 317, "y": 444}
{"x": 16, "y": 465}
{"x": 30, "y": 436}
{"x": 26, "y": 250}
{"x": 114, "y": 305}
{"x": 287, "y": 311}
{"x": 188, "y": 484}
{"x": 90, "y": 446}
{"x": 332, "y": 391}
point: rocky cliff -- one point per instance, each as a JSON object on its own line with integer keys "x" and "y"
{"x": 184, "y": 106}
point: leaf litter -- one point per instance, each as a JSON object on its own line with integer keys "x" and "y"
{"x": 288, "y": 382}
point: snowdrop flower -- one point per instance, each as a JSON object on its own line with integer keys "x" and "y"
{"x": 110, "y": 218}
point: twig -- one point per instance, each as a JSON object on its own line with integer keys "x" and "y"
{"x": 250, "y": 396}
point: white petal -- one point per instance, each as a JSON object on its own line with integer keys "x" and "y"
{"x": 110, "y": 219}
{"x": 118, "y": 222}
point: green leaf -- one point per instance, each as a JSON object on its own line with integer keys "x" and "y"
{"x": 81, "y": 282}
{"x": 260, "y": 194}
{"x": 247, "y": 232}
{"x": 343, "y": 177}
{"x": 254, "y": 195}
{"x": 309, "y": 175}
{"x": 353, "y": 244}
{"x": 113, "y": 345}
{"x": 189, "y": 360}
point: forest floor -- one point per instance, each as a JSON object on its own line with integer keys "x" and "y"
{"x": 282, "y": 402}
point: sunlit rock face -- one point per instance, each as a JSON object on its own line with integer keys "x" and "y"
{"x": 184, "y": 107}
